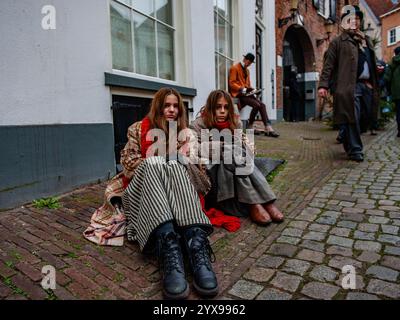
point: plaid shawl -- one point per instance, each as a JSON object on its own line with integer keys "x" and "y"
{"x": 107, "y": 225}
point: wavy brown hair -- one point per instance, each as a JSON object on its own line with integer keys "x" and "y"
{"x": 156, "y": 114}
{"x": 209, "y": 110}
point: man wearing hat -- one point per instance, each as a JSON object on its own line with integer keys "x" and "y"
{"x": 350, "y": 74}
{"x": 240, "y": 87}
{"x": 392, "y": 78}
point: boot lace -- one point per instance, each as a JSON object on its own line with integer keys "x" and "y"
{"x": 170, "y": 254}
{"x": 202, "y": 252}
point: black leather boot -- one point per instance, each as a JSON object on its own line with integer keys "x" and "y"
{"x": 172, "y": 268}
{"x": 200, "y": 252}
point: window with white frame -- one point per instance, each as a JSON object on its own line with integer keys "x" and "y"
{"x": 142, "y": 35}
{"x": 223, "y": 28}
{"x": 393, "y": 37}
{"x": 324, "y": 8}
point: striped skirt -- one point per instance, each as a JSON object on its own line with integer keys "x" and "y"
{"x": 160, "y": 192}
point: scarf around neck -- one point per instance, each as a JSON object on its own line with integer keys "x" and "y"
{"x": 223, "y": 125}
{"x": 359, "y": 37}
{"x": 144, "y": 144}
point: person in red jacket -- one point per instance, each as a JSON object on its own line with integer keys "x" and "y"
{"x": 240, "y": 87}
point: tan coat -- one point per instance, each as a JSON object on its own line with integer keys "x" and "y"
{"x": 339, "y": 74}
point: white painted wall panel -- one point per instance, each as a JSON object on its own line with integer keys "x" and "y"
{"x": 54, "y": 76}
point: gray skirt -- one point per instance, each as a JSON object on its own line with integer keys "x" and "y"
{"x": 160, "y": 192}
{"x": 232, "y": 193}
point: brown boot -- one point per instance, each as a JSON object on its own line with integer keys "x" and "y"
{"x": 259, "y": 215}
{"x": 274, "y": 213}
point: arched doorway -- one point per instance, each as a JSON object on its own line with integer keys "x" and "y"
{"x": 299, "y": 57}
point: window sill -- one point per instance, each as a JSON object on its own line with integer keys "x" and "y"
{"x": 118, "y": 80}
{"x": 326, "y": 17}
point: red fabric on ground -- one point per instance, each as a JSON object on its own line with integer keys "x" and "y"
{"x": 219, "y": 219}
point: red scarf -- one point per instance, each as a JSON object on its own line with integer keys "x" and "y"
{"x": 144, "y": 146}
{"x": 223, "y": 125}
{"x": 144, "y": 143}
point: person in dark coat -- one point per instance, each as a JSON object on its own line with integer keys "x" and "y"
{"x": 350, "y": 66}
{"x": 295, "y": 95}
{"x": 392, "y": 78}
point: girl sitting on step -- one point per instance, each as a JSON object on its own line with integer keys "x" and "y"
{"x": 245, "y": 193}
{"x": 161, "y": 201}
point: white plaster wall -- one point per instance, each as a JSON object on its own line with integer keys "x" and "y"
{"x": 54, "y": 76}
{"x": 202, "y": 48}
{"x": 270, "y": 60}
{"x": 246, "y": 29}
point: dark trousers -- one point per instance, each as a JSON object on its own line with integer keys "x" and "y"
{"x": 258, "y": 107}
{"x": 351, "y": 133}
{"x": 397, "y": 103}
{"x": 365, "y": 96}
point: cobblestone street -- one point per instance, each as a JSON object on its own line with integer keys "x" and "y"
{"x": 338, "y": 213}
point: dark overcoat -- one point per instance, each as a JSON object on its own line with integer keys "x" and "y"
{"x": 339, "y": 74}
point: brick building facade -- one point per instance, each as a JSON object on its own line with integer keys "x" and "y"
{"x": 390, "y": 32}
{"x": 301, "y": 41}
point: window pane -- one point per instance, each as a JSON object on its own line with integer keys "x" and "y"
{"x": 216, "y": 31}
{"x": 222, "y": 7}
{"x": 128, "y": 2}
{"x": 145, "y": 46}
{"x": 165, "y": 52}
{"x": 222, "y": 73}
{"x": 121, "y": 36}
{"x": 229, "y": 10}
{"x": 221, "y": 35}
{"x": 145, "y": 6}
{"x": 228, "y": 37}
{"x": 164, "y": 11}
{"x": 216, "y": 70}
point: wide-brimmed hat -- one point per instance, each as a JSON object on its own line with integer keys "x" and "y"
{"x": 249, "y": 56}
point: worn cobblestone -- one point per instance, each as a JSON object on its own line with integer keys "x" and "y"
{"x": 370, "y": 257}
{"x": 246, "y": 290}
{"x": 286, "y": 282}
{"x": 323, "y": 273}
{"x": 271, "y": 294}
{"x": 340, "y": 241}
{"x": 384, "y": 288}
{"x": 321, "y": 291}
{"x": 296, "y": 266}
{"x": 383, "y": 273}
